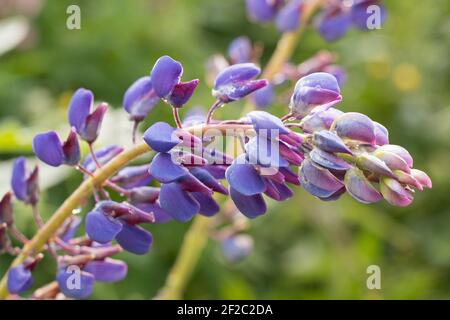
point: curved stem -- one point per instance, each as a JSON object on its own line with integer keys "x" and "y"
{"x": 211, "y": 110}
{"x": 37, "y": 243}
{"x": 176, "y": 116}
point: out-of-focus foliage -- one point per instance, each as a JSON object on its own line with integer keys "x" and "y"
{"x": 399, "y": 76}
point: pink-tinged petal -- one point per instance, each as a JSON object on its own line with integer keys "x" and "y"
{"x": 135, "y": 239}
{"x": 80, "y": 108}
{"x": 165, "y": 170}
{"x": 318, "y": 121}
{"x": 181, "y": 205}
{"x": 144, "y": 195}
{"x": 373, "y": 164}
{"x": 392, "y": 160}
{"x": 190, "y": 183}
{"x": 209, "y": 180}
{"x": 165, "y": 75}
{"x": 395, "y": 193}
{"x": 408, "y": 179}
{"x": 48, "y": 148}
{"x": 108, "y": 270}
{"x": 6, "y": 210}
{"x": 328, "y": 160}
{"x": 291, "y": 154}
{"x": 161, "y": 137}
{"x": 328, "y": 141}
{"x": 400, "y": 151}
{"x": 245, "y": 179}
{"x": 251, "y": 206}
{"x": 360, "y": 188}
{"x": 290, "y": 176}
{"x": 355, "y": 126}
{"x": 93, "y": 123}
{"x": 381, "y": 134}
{"x": 422, "y": 177}
{"x": 318, "y": 181}
{"x": 182, "y": 92}
{"x": 71, "y": 149}
{"x": 160, "y": 215}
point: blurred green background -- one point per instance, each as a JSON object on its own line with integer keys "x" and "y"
{"x": 304, "y": 248}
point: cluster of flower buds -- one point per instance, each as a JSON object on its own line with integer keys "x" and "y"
{"x": 332, "y": 22}
{"x": 315, "y": 146}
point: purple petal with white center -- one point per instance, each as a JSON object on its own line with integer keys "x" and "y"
{"x": 209, "y": 180}
{"x": 181, "y": 205}
{"x": 75, "y": 284}
{"x": 318, "y": 121}
{"x": 208, "y": 206}
{"x": 422, "y": 177}
{"x": 333, "y": 24}
{"x": 71, "y": 149}
{"x": 166, "y": 74}
{"x": 395, "y": 193}
{"x": 163, "y": 169}
{"x": 328, "y": 160}
{"x": 363, "y": 14}
{"x": 108, "y": 270}
{"x": 182, "y": 92}
{"x": 381, "y": 134}
{"x": 135, "y": 239}
{"x": 263, "y": 120}
{"x": 140, "y": 99}
{"x": 101, "y": 228}
{"x": 260, "y": 10}
{"x": 330, "y": 142}
{"x": 359, "y": 187}
{"x": 161, "y": 137}
{"x": 240, "y": 50}
{"x": 317, "y": 181}
{"x": 19, "y": 179}
{"x": 251, "y": 206}
{"x": 264, "y": 97}
{"x": 245, "y": 179}
{"x": 48, "y": 148}
{"x": 400, "y": 151}
{"x": 288, "y": 17}
{"x": 355, "y": 126}
{"x": 236, "y": 248}
{"x": 80, "y": 108}
{"x": 373, "y": 164}
{"x": 20, "y": 279}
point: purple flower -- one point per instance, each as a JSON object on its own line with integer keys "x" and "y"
{"x": 104, "y": 155}
{"x": 264, "y": 97}
{"x": 316, "y": 89}
{"x": 317, "y": 121}
{"x": 365, "y": 13}
{"x": 360, "y": 188}
{"x": 240, "y": 50}
{"x": 237, "y": 247}
{"x": 87, "y": 122}
{"x": 165, "y": 75}
{"x": 266, "y": 122}
{"x": 107, "y": 270}
{"x": 244, "y": 178}
{"x": 333, "y": 24}
{"x": 235, "y": 82}
{"x": 180, "y": 204}
{"x": 251, "y": 206}
{"x": 140, "y": 99}
{"x": 318, "y": 181}
{"x": 25, "y": 183}
{"x": 49, "y": 149}
{"x": 395, "y": 193}
{"x": 110, "y": 220}
{"x": 261, "y": 10}
{"x": 288, "y": 18}
{"x": 20, "y": 279}
{"x": 182, "y": 92}
{"x": 74, "y": 283}
{"x": 161, "y": 137}
{"x": 355, "y": 126}
{"x": 133, "y": 177}
{"x": 381, "y": 134}
{"x": 330, "y": 142}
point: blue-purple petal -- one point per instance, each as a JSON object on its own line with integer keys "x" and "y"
{"x": 101, "y": 228}
{"x": 108, "y": 270}
{"x": 166, "y": 73}
{"x": 251, "y": 206}
{"x": 180, "y": 204}
{"x": 135, "y": 239}
{"x": 161, "y": 137}
{"x": 48, "y": 148}
{"x": 80, "y": 108}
